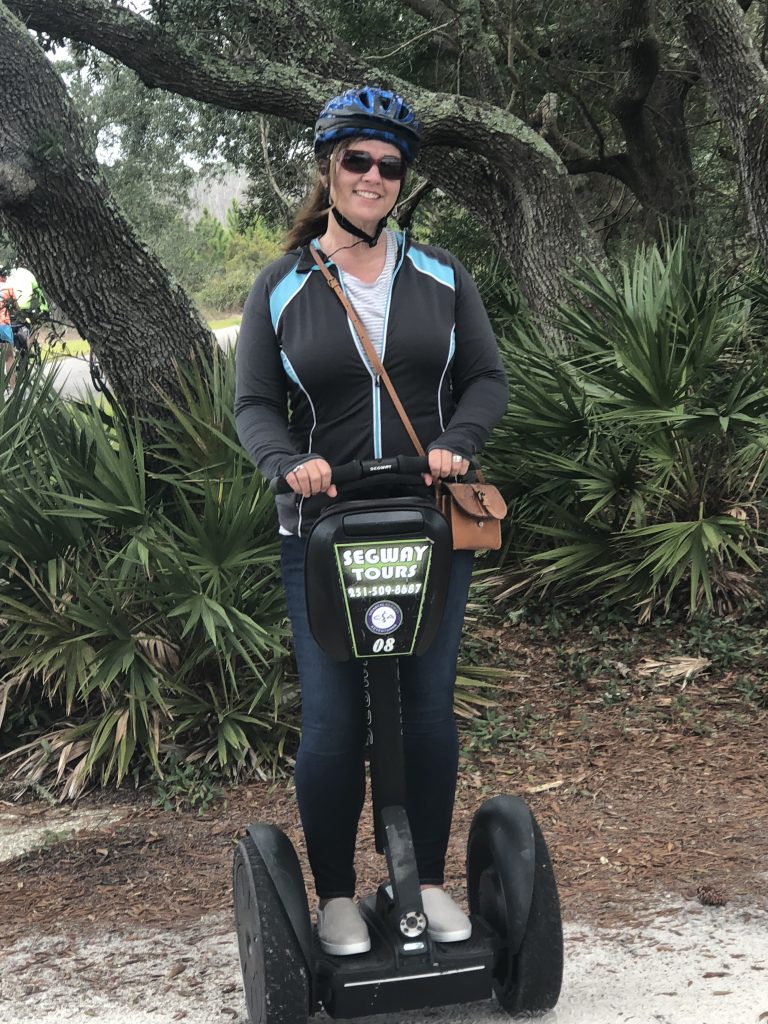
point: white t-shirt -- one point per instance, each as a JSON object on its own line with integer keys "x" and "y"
{"x": 370, "y": 300}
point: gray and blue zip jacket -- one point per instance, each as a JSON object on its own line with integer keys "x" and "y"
{"x": 305, "y": 387}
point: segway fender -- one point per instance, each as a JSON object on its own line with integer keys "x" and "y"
{"x": 502, "y": 834}
{"x": 284, "y": 869}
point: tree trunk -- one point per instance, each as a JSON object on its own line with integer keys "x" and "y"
{"x": 55, "y": 206}
{"x": 662, "y": 184}
{"x": 717, "y": 34}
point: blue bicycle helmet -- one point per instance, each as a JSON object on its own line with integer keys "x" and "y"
{"x": 369, "y": 112}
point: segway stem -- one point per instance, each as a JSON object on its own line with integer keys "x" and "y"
{"x": 403, "y": 873}
{"x": 382, "y": 700}
{"x": 388, "y": 792}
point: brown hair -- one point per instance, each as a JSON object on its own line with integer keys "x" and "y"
{"x": 311, "y": 219}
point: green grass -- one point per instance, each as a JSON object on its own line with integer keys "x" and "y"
{"x": 231, "y": 321}
{"x": 70, "y": 348}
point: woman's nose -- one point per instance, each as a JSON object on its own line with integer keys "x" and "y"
{"x": 372, "y": 174}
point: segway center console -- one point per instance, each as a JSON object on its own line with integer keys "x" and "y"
{"x": 376, "y": 577}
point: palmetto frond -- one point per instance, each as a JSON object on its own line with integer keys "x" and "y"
{"x": 138, "y": 588}
{"x": 671, "y": 391}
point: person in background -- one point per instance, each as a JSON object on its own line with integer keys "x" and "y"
{"x": 29, "y": 295}
{"x": 8, "y": 305}
{"x": 307, "y": 399}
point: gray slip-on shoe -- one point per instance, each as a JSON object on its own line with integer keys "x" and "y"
{"x": 341, "y": 929}
{"x": 447, "y": 922}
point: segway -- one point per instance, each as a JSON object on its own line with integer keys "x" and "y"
{"x": 377, "y": 572}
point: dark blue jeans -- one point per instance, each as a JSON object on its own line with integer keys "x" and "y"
{"x": 330, "y": 766}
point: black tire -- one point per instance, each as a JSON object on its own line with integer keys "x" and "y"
{"x": 33, "y": 352}
{"x": 529, "y": 969}
{"x": 275, "y": 979}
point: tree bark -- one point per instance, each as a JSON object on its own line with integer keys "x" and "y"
{"x": 717, "y": 34}
{"x": 663, "y": 185}
{"x": 503, "y": 171}
{"x": 55, "y": 206}
{"x": 655, "y": 163}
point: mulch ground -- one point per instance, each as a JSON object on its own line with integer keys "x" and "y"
{"x": 648, "y": 784}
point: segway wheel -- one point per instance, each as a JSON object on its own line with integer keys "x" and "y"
{"x": 511, "y": 885}
{"x": 275, "y": 979}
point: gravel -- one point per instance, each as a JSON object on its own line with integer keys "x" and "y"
{"x": 706, "y": 966}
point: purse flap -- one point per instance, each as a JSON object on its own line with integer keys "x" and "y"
{"x": 478, "y": 500}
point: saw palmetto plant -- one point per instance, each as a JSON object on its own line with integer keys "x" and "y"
{"x": 138, "y": 591}
{"x": 637, "y": 464}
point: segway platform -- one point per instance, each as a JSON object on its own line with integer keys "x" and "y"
{"x": 389, "y": 979}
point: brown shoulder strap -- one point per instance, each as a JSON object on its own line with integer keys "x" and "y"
{"x": 370, "y": 351}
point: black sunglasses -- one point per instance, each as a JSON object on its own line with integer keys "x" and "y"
{"x": 391, "y": 168}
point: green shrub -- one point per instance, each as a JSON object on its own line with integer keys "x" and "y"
{"x": 218, "y": 263}
{"x": 228, "y": 290}
{"x": 637, "y": 465}
{"x": 143, "y": 623}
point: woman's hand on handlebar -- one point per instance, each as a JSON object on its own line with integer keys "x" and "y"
{"x": 443, "y": 464}
{"x": 311, "y": 477}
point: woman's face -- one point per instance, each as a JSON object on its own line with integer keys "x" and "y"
{"x": 365, "y": 198}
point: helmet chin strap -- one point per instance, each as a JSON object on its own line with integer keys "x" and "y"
{"x": 353, "y": 229}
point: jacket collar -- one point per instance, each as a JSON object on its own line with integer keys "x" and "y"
{"x": 306, "y": 262}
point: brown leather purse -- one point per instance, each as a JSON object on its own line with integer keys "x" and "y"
{"x": 475, "y": 510}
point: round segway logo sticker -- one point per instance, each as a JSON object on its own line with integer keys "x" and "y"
{"x": 383, "y": 617}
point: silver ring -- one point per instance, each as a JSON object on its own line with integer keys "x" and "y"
{"x": 458, "y": 458}
{"x": 297, "y": 468}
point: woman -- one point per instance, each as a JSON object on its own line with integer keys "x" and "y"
{"x": 308, "y": 399}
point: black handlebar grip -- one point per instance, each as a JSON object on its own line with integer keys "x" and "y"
{"x": 339, "y": 474}
{"x": 405, "y": 465}
{"x": 279, "y": 485}
{"x": 413, "y": 464}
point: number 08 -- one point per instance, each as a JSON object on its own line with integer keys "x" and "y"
{"x": 382, "y": 645}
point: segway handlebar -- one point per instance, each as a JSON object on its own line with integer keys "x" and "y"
{"x": 404, "y": 465}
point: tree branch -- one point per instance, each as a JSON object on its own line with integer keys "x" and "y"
{"x": 432, "y": 11}
{"x": 55, "y": 206}
{"x": 637, "y": 45}
{"x": 436, "y": 13}
{"x": 477, "y": 52}
{"x": 564, "y": 83}
{"x": 544, "y": 120}
{"x": 524, "y": 190}
{"x": 164, "y": 61}
{"x": 265, "y": 86}
{"x": 264, "y": 135}
{"x": 410, "y": 42}
{"x": 404, "y": 211}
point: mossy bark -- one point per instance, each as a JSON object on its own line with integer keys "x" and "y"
{"x": 55, "y": 206}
